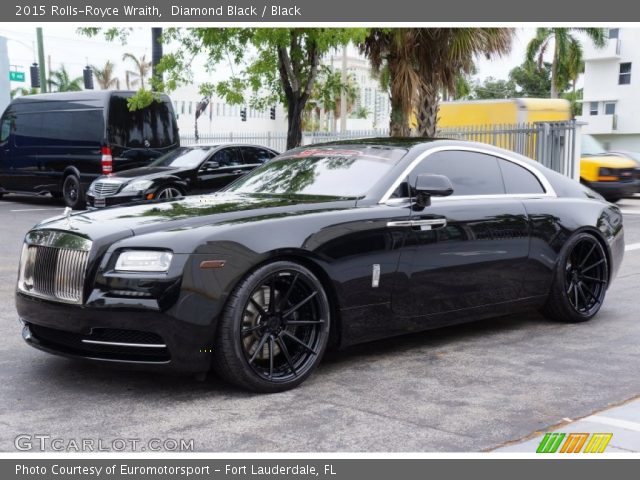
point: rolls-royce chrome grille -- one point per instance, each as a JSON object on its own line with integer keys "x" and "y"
{"x": 53, "y": 265}
{"x": 106, "y": 188}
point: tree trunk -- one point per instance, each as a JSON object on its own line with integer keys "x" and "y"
{"x": 428, "y": 107}
{"x": 398, "y": 122}
{"x": 554, "y": 75}
{"x": 294, "y": 127}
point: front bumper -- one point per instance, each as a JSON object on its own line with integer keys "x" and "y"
{"x": 144, "y": 337}
{"x": 615, "y": 190}
{"x": 118, "y": 199}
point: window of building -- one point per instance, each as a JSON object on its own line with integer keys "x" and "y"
{"x": 625, "y": 74}
{"x": 190, "y": 108}
{"x": 593, "y": 108}
{"x": 614, "y": 32}
{"x": 182, "y": 108}
{"x": 609, "y": 108}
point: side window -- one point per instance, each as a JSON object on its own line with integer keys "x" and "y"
{"x": 518, "y": 179}
{"x": 5, "y": 129}
{"x": 471, "y": 173}
{"x": 227, "y": 157}
{"x": 255, "y": 156}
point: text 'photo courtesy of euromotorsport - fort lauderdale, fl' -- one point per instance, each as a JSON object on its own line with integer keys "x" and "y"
{"x": 319, "y": 239}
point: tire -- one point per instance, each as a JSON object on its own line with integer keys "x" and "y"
{"x": 166, "y": 192}
{"x": 72, "y": 193}
{"x": 613, "y": 200}
{"x": 580, "y": 280}
{"x": 266, "y": 346}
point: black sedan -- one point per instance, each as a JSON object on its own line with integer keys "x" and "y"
{"x": 329, "y": 245}
{"x": 193, "y": 169}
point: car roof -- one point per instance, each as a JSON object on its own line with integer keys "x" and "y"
{"x": 226, "y": 144}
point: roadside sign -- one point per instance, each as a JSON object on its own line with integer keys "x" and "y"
{"x": 16, "y": 76}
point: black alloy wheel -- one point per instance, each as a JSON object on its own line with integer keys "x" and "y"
{"x": 275, "y": 328}
{"x": 586, "y": 276}
{"x": 581, "y": 280}
{"x": 72, "y": 192}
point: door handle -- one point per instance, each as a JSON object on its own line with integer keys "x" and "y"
{"x": 429, "y": 224}
{"x": 237, "y": 172}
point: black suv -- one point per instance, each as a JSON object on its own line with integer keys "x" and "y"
{"x": 59, "y": 143}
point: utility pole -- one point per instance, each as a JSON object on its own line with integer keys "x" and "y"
{"x": 343, "y": 92}
{"x": 156, "y": 54}
{"x": 43, "y": 76}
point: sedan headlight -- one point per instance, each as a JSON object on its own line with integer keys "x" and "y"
{"x": 143, "y": 261}
{"x": 137, "y": 186}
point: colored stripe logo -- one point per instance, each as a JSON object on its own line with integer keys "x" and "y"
{"x": 574, "y": 442}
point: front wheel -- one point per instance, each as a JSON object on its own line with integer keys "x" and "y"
{"x": 72, "y": 193}
{"x": 167, "y": 192}
{"x": 580, "y": 281}
{"x": 274, "y": 329}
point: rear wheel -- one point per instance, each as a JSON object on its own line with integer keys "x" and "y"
{"x": 72, "y": 192}
{"x": 274, "y": 330}
{"x": 167, "y": 192}
{"x": 580, "y": 282}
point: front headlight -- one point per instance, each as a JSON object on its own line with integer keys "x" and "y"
{"x": 137, "y": 186}
{"x": 143, "y": 261}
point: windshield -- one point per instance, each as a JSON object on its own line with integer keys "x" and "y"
{"x": 591, "y": 146}
{"x": 183, "y": 157}
{"x": 348, "y": 171}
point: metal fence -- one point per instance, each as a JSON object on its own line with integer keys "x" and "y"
{"x": 553, "y": 144}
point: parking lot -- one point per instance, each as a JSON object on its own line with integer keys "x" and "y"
{"x": 474, "y": 387}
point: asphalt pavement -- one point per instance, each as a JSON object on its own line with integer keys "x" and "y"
{"x": 493, "y": 384}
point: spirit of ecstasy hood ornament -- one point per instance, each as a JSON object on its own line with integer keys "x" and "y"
{"x": 67, "y": 213}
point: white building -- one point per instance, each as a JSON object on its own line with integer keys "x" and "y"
{"x": 220, "y": 117}
{"x": 611, "y": 105}
{"x": 371, "y": 97}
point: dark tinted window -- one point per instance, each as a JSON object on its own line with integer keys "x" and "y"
{"x": 470, "y": 173}
{"x": 254, "y": 156}
{"x": 154, "y": 125}
{"x": 70, "y": 127}
{"x": 227, "y": 157}
{"x": 5, "y": 127}
{"x": 518, "y": 179}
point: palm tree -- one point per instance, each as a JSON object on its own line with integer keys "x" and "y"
{"x": 105, "y": 77}
{"x": 141, "y": 71}
{"x": 62, "y": 82}
{"x": 566, "y": 48}
{"x": 421, "y": 62}
{"x": 392, "y": 56}
{"x": 443, "y": 54}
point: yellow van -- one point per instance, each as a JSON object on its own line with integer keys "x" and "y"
{"x": 612, "y": 176}
{"x": 503, "y": 111}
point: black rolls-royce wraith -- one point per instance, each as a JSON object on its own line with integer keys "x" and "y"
{"x": 330, "y": 244}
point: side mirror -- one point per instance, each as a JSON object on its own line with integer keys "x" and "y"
{"x": 430, "y": 185}
{"x": 208, "y": 166}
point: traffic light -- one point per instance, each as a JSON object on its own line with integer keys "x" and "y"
{"x": 243, "y": 114}
{"x": 272, "y": 113}
{"x": 87, "y": 74}
{"x": 34, "y": 72}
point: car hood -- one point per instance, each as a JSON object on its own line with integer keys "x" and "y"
{"x": 190, "y": 212}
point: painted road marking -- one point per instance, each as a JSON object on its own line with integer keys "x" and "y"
{"x": 630, "y": 212}
{"x": 614, "y": 422}
{"x": 632, "y": 246}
